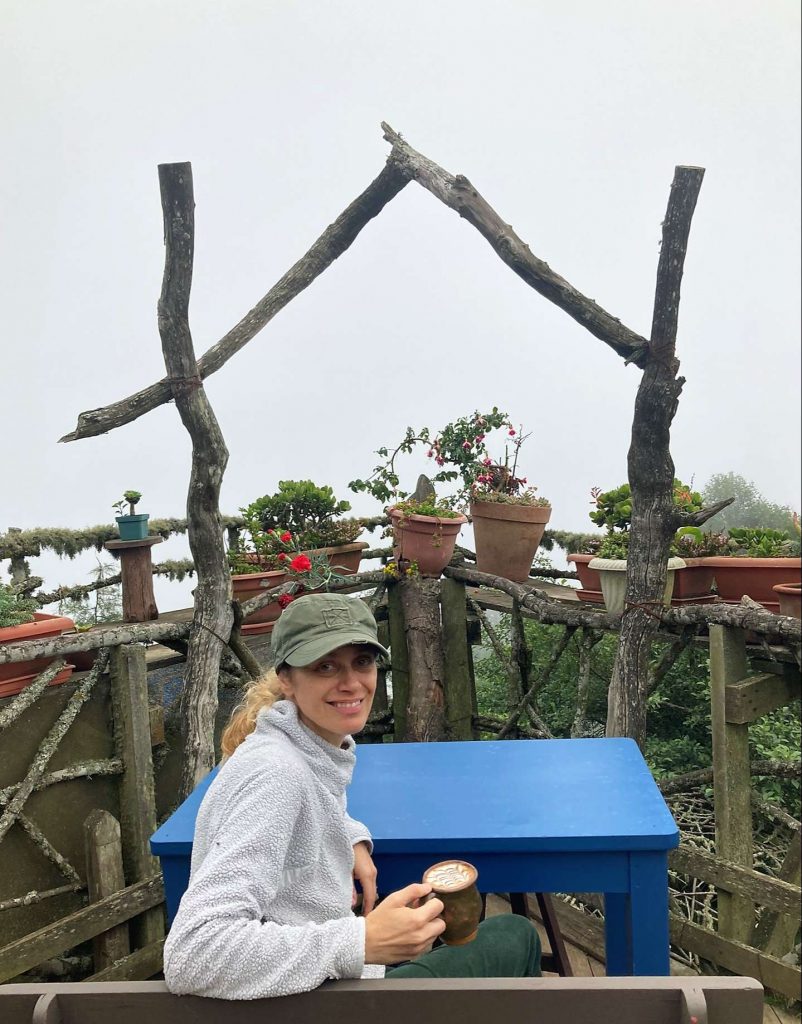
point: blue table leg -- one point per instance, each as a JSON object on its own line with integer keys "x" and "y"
{"x": 649, "y": 913}
{"x": 617, "y": 934}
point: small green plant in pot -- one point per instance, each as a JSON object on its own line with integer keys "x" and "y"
{"x": 613, "y": 510}
{"x": 424, "y": 534}
{"x": 131, "y": 525}
{"x": 15, "y": 608}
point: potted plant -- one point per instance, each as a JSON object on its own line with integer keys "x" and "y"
{"x": 753, "y": 561}
{"x": 132, "y": 525}
{"x": 424, "y": 534}
{"x": 508, "y": 517}
{"x": 613, "y": 510}
{"x": 313, "y": 516}
{"x": 283, "y": 532}
{"x": 19, "y": 620}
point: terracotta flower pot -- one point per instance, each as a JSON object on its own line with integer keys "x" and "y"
{"x": 507, "y": 537}
{"x": 589, "y": 579}
{"x": 789, "y": 596}
{"x": 343, "y": 558}
{"x": 755, "y": 577}
{"x": 613, "y": 573}
{"x": 427, "y": 540}
{"x": 693, "y": 583}
{"x": 16, "y": 676}
{"x": 248, "y": 585}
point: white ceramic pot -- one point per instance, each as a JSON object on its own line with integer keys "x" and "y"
{"x": 613, "y": 574}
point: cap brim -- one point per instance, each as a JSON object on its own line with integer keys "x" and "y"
{"x": 305, "y": 654}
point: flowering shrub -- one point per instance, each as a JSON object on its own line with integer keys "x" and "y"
{"x": 309, "y": 512}
{"x": 280, "y": 550}
{"x": 459, "y": 450}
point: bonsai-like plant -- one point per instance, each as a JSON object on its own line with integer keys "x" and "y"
{"x": 614, "y": 512}
{"x": 129, "y": 498}
{"x": 306, "y": 511}
{"x": 460, "y": 450}
{"x": 15, "y": 608}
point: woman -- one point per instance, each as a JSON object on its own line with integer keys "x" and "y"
{"x": 268, "y": 908}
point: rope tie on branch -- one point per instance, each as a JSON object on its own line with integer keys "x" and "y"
{"x": 645, "y": 606}
{"x": 181, "y": 386}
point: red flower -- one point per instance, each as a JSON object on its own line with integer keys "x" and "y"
{"x": 430, "y": 453}
{"x": 300, "y": 563}
{"x": 282, "y": 557}
{"x": 487, "y": 462}
{"x": 466, "y": 445}
{"x": 440, "y": 461}
{"x": 285, "y": 599}
{"x": 511, "y": 432}
{"x": 286, "y": 537}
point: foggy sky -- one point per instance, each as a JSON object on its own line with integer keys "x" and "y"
{"x": 569, "y": 118}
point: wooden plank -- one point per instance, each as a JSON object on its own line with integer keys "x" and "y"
{"x": 138, "y": 966}
{"x": 762, "y": 889}
{"x": 736, "y": 957}
{"x": 129, "y": 693}
{"x": 104, "y": 876}
{"x": 776, "y": 932}
{"x": 156, "y": 717}
{"x": 756, "y": 696}
{"x": 380, "y": 702}
{"x": 456, "y": 657}
{"x": 54, "y": 939}
{"x": 732, "y": 783}
{"x": 400, "y": 661}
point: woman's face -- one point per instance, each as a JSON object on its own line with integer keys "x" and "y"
{"x": 335, "y": 693}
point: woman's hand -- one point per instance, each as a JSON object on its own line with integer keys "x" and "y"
{"x": 400, "y": 928}
{"x": 365, "y": 873}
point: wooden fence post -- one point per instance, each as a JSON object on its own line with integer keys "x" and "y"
{"x": 458, "y": 678}
{"x": 129, "y": 694}
{"x": 380, "y": 700}
{"x": 399, "y": 662}
{"x": 136, "y": 569}
{"x": 732, "y": 788}
{"x": 104, "y": 876}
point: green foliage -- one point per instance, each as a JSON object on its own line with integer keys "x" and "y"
{"x": 307, "y": 511}
{"x": 750, "y": 508}
{"x": 614, "y": 545}
{"x": 15, "y": 609}
{"x": 104, "y": 605}
{"x": 432, "y": 507}
{"x": 614, "y": 508}
{"x": 755, "y": 543}
{"x": 460, "y": 450}
{"x": 129, "y": 498}
{"x": 691, "y": 542}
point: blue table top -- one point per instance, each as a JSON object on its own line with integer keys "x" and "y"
{"x": 518, "y": 795}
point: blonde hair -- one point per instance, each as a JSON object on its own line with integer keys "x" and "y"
{"x": 262, "y": 693}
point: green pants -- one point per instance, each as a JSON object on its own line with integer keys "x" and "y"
{"x": 506, "y": 946}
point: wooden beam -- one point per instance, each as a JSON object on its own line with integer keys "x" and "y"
{"x": 399, "y": 662}
{"x": 105, "y": 876}
{"x": 137, "y": 966}
{"x": 54, "y": 939}
{"x": 732, "y": 784}
{"x": 762, "y": 889}
{"x": 456, "y": 655}
{"x": 756, "y": 696}
{"x": 129, "y": 695}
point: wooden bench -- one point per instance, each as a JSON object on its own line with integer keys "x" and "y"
{"x": 467, "y": 1001}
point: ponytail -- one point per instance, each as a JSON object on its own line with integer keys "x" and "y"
{"x": 262, "y": 693}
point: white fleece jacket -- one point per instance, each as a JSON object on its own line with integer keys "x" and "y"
{"x": 268, "y": 908}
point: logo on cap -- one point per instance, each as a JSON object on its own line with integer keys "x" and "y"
{"x": 334, "y": 617}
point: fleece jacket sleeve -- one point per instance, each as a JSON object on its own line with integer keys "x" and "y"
{"x": 219, "y": 944}
{"x": 357, "y": 832}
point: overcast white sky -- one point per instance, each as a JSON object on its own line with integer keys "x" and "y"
{"x": 569, "y": 118}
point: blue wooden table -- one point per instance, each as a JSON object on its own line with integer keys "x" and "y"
{"x": 532, "y": 815}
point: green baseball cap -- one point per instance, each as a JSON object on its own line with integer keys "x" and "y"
{"x": 317, "y": 624}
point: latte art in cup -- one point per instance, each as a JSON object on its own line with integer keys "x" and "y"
{"x": 450, "y": 876}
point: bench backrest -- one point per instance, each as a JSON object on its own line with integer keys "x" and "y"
{"x": 409, "y": 1001}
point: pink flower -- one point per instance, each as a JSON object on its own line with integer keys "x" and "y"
{"x": 511, "y": 432}
{"x": 466, "y": 445}
{"x": 440, "y": 460}
{"x": 286, "y": 537}
{"x": 487, "y": 462}
{"x": 300, "y": 563}
{"x": 282, "y": 557}
{"x": 285, "y": 599}
{"x": 479, "y": 438}
{"x": 430, "y": 453}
